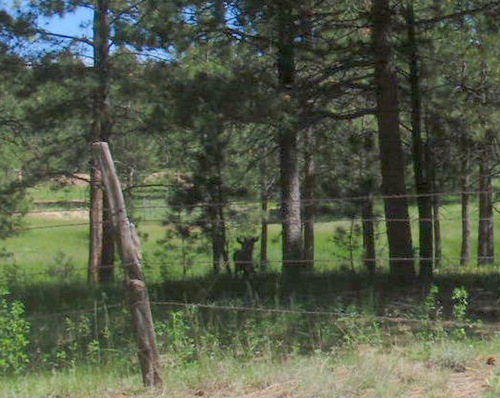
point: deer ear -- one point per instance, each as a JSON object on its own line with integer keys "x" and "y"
{"x": 255, "y": 239}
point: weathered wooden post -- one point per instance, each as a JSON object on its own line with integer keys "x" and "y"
{"x": 129, "y": 248}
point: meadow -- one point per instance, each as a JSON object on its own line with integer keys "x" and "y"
{"x": 55, "y": 236}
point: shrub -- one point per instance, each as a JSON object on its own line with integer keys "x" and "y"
{"x": 13, "y": 335}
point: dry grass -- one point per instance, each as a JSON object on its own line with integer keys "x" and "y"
{"x": 413, "y": 371}
{"x": 366, "y": 372}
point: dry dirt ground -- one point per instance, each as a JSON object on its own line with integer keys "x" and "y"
{"x": 62, "y": 215}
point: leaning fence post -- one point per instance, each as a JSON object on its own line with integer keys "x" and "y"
{"x": 129, "y": 248}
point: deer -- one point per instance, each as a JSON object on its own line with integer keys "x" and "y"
{"x": 243, "y": 258}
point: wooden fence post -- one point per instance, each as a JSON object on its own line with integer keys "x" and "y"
{"x": 129, "y": 248}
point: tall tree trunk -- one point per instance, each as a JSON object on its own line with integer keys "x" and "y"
{"x": 465, "y": 251}
{"x": 424, "y": 199}
{"x": 308, "y": 197}
{"x": 290, "y": 202}
{"x": 436, "y": 203}
{"x": 220, "y": 257}
{"x": 391, "y": 151}
{"x": 288, "y": 145}
{"x": 107, "y": 268}
{"x": 101, "y": 258}
{"x": 485, "y": 244}
{"x": 438, "y": 243}
{"x": 213, "y": 162}
{"x": 368, "y": 224}
{"x": 264, "y": 195}
{"x": 217, "y": 259}
{"x": 486, "y": 248}
{"x": 96, "y": 229}
{"x": 223, "y": 241}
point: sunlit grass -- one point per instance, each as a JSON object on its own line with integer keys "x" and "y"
{"x": 49, "y": 239}
{"x": 362, "y": 371}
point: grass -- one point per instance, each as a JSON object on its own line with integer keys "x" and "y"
{"x": 51, "y": 192}
{"x": 229, "y": 353}
{"x": 52, "y": 240}
{"x": 363, "y": 371}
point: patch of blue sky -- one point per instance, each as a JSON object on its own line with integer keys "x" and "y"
{"x": 77, "y": 23}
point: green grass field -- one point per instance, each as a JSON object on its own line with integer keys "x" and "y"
{"x": 54, "y": 239}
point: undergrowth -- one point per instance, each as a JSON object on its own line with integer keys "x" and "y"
{"x": 191, "y": 338}
{"x": 187, "y": 334}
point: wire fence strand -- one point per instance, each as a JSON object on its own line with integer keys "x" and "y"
{"x": 199, "y": 263}
{"x": 334, "y": 316}
{"x": 243, "y": 203}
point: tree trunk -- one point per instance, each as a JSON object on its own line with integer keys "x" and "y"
{"x": 220, "y": 257}
{"x": 438, "y": 245}
{"x": 288, "y": 144}
{"x": 368, "y": 224}
{"x": 436, "y": 204}
{"x": 107, "y": 269}
{"x": 101, "y": 258}
{"x": 391, "y": 152}
{"x": 223, "y": 240}
{"x": 264, "y": 194}
{"x": 96, "y": 230}
{"x": 290, "y": 202}
{"x": 217, "y": 258}
{"x": 485, "y": 244}
{"x": 308, "y": 198}
{"x": 424, "y": 199}
{"x": 214, "y": 159}
{"x": 486, "y": 248}
{"x": 465, "y": 251}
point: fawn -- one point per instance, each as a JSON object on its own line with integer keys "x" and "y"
{"x": 243, "y": 258}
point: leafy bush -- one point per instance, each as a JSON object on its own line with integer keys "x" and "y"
{"x": 176, "y": 334}
{"x": 13, "y": 335}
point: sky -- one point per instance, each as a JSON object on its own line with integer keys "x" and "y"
{"x": 78, "y": 23}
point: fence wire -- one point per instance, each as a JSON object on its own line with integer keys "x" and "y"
{"x": 334, "y": 316}
{"x": 194, "y": 263}
{"x": 245, "y": 203}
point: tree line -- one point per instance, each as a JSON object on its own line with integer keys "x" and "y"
{"x": 253, "y": 99}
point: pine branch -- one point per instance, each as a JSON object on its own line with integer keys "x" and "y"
{"x": 68, "y": 37}
{"x": 459, "y": 14}
{"x": 321, "y": 114}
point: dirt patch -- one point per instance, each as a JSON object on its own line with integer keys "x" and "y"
{"x": 61, "y": 215}
{"x": 275, "y": 390}
{"x": 470, "y": 384}
{"x": 76, "y": 180}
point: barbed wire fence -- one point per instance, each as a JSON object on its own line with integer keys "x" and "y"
{"x": 164, "y": 309}
{"x": 332, "y": 222}
{"x": 329, "y": 257}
